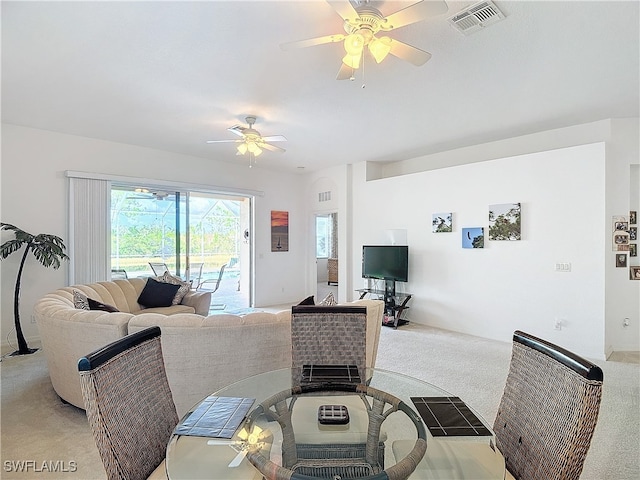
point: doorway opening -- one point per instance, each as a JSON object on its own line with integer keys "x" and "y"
{"x": 200, "y": 237}
{"x": 326, "y": 255}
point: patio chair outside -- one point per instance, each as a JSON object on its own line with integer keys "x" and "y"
{"x": 158, "y": 268}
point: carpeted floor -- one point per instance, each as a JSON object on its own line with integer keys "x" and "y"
{"x": 42, "y": 438}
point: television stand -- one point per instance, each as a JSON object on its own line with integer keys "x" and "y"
{"x": 394, "y": 305}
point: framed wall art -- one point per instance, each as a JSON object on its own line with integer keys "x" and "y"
{"x": 279, "y": 231}
{"x": 442, "y": 222}
{"x": 504, "y": 221}
{"x": 634, "y": 273}
{"x": 473, "y": 237}
{"x": 621, "y": 260}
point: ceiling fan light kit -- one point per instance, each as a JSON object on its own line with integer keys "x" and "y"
{"x": 363, "y": 22}
{"x": 252, "y": 143}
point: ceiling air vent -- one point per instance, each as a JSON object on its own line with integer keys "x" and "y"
{"x": 476, "y": 17}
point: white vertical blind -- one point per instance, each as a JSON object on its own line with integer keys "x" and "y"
{"x": 89, "y": 230}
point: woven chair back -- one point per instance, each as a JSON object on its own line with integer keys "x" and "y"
{"x": 328, "y": 336}
{"x": 129, "y": 404}
{"x": 548, "y": 410}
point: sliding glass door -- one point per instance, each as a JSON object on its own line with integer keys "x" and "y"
{"x": 198, "y": 236}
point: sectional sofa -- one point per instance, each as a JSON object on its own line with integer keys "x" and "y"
{"x": 202, "y": 352}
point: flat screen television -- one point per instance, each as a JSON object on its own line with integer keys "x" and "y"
{"x": 386, "y": 262}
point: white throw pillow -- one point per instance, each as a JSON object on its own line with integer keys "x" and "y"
{"x": 328, "y": 301}
{"x": 173, "y": 280}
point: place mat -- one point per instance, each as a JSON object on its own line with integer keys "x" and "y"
{"x": 330, "y": 373}
{"x": 449, "y": 417}
{"x": 217, "y": 417}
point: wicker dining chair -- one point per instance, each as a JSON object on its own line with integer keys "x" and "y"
{"x": 328, "y": 335}
{"x": 129, "y": 405}
{"x": 548, "y": 410}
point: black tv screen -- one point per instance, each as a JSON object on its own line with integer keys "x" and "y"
{"x": 387, "y": 262}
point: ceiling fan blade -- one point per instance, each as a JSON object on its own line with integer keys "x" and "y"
{"x": 344, "y": 9}
{"x": 221, "y": 441}
{"x": 238, "y": 458}
{"x": 410, "y": 54}
{"x": 268, "y": 146}
{"x": 237, "y": 129}
{"x": 223, "y": 141}
{"x": 415, "y": 13}
{"x": 274, "y": 138}
{"x": 311, "y": 42}
{"x": 345, "y": 72}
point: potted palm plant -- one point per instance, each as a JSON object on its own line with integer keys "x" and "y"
{"x": 48, "y": 250}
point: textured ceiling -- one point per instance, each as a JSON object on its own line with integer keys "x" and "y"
{"x": 171, "y": 75}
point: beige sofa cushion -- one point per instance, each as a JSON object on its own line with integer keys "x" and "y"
{"x": 204, "y": 354}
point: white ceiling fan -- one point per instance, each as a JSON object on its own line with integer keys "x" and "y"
{"x": 144, "y": 193}
{"x": 251, "y": 141}
{"x": 362, "y": 25}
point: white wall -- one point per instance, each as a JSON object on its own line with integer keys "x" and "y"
{"x": 622, "y": 297}
{"x": 34, "y": 197}
{"x": 506, "y": 286}
{"x": 569, "y": 180}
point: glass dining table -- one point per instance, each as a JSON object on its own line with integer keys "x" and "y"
{"x": 293, "y": 424}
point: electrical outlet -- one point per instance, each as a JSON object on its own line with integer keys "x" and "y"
{"x": 625, "y": 322}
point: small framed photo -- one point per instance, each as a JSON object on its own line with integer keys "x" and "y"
{"x": 633, "y": 234}
{"x": 442, "y": 222}
{"x": 633, "y": 217}
{"x": 633, "y": 250}
{"x": 634, "y": 273}
{"x": 621, "y": 260}
{"x": 621, "y": 226}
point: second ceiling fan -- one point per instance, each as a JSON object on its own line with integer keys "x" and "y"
{"x": 362, "y": 25}
{"x": 251, "y": 142}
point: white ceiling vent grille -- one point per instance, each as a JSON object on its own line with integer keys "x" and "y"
{"x": 476, "y": 17}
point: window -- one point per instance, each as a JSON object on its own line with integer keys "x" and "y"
{"x": 323, "y": 236}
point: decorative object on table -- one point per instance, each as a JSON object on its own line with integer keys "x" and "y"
{"x": 634, "y": 273}
{"x": 251, "y": 142}
{"x": 548, "y": 410}
{"x": 333, "y": 415}
{"x": 279, "y": 231}
{"x": 442, "y": 222}
{"x": 47, "y": 249}
{"x": 633, "y": 217}
{"x": 621, "y": 260}
{"x": 473, "y": 237}
{"x": 504, "y": 221}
